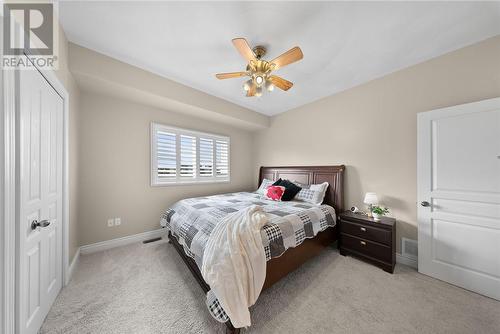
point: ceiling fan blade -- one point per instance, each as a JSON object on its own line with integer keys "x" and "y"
{"x": 252, "y": 91}
{"x": 230, "y": 75}
{"x": 291, "y": 56}
{"x": 244, "y": 49}
{"x": 280, "y": 82}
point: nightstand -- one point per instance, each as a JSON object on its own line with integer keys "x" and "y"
{"x": 363, "y": 237}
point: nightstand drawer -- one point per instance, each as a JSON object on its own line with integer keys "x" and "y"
{"x": 366, "y": 232}
{"x": 366, "y": 247}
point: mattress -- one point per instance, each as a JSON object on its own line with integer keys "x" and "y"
{"x": 192, "y": 220}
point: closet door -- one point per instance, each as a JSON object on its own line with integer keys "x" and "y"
{"x": 458, "y": 160}
{"x": 40, "y": 199}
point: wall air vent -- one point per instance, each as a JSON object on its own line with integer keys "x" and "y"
{"x": 409, "y": 248}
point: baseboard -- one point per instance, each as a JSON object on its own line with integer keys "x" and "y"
{"x": 73, "y": 265}
{"x": 408, "y": 261}
{"x": 109, "y": 244}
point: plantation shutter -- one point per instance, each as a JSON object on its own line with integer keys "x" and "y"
{"x": 222, "y": 157}
{"x": 180, "y": 156}
{"x": 188, "y": 156}
{"x": 166, "y": 155}
{"x": 206, "y": 157}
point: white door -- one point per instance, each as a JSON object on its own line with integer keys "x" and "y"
{"x": 458, "y": 174}
{"x": 40, "y": 199}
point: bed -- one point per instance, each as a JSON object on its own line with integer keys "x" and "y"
{"x": 282, "y": 256}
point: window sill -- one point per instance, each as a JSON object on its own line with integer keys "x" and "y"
{"x": 189, "y": 183}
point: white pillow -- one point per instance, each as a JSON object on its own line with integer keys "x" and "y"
{"x": 312, "y": 193}
{"x": 263, "y": 186}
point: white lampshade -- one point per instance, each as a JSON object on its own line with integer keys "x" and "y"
{"x": 371, "y": 198}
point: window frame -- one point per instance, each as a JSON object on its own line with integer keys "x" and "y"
{"x": 178, "y": 180}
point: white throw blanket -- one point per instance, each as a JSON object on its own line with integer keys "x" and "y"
{"x": 234, "y": 263}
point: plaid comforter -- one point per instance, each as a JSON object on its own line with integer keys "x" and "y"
{"x": 289, "y": 223}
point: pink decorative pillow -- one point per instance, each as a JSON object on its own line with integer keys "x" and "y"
{"x": 274, "y": 193}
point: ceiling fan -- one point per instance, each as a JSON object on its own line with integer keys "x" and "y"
{"x": 259, "y": 70}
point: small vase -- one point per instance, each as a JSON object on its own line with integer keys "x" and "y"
{"x": 376, "y": 216}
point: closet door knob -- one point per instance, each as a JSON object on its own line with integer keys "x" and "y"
{"x": 425, "y": 203}
{"x": 43, "y": 223}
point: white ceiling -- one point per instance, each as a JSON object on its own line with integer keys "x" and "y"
{"x": 344, "y": 43}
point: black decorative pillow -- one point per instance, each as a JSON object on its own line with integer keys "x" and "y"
{"x": 291, "y": 189}
{"x": 277, "y": 183}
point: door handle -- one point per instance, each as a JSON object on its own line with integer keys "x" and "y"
{"x": 425, "y": 203}
{"x": 43, "y": 223}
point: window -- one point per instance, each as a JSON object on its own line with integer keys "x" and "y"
{"x": 182, "y": 156}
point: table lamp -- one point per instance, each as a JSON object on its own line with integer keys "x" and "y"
{"x": 370, "y": 199}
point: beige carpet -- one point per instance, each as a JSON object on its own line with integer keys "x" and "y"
{"x": 148, "y": 289}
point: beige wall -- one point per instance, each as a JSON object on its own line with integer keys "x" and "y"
{"x": 66, "y": 78}
{"x": 372, "y": 128}
{"x": 114, "y": 166}
{"x": 99, "y": 73}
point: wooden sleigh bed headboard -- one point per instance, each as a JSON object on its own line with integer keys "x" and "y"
{"x": 334, "y": 175}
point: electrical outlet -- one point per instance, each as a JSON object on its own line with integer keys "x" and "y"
{"x": 110, "y": 222}
{"x": 118, "y": 221}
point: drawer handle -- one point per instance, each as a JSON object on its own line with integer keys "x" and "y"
{"x": 363, "y": 229}
{"x": 362, "y": 243}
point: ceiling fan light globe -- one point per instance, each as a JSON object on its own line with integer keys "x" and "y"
{"x": 259, "y": 80}
{"x": 258, "y": 91}
{"x": 269, "y": 86}
{"x": 246, "y": 85}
